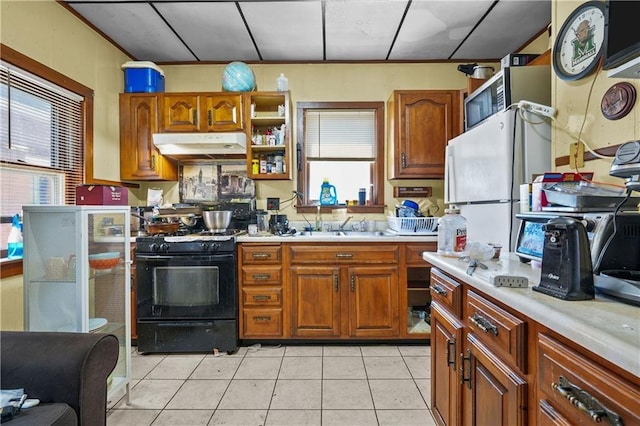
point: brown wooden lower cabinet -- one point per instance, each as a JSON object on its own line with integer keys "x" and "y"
{"x": 326, "y": 290}
{"x": 344, "y": 291}
{"x": 501, "y": 368}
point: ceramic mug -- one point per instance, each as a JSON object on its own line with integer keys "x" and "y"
{"x": 56, "y": 268}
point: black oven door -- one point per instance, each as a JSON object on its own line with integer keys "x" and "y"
{"x": 186, "y": 287}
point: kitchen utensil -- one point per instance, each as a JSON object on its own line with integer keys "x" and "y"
{"x": 105, "y": 260}
{"x": 262, "y": 220}
{"x": 162, "y": 228}
{"x": 217, "y": 220}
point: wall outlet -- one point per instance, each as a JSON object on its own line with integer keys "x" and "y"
{"x": 273, "y": 203}
{"x": 576, "y": 155}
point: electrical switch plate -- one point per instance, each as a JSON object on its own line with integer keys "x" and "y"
{"x": 273, "y": 203}
{"x": 508, "y": 281}
{"x": 576, "y": 155}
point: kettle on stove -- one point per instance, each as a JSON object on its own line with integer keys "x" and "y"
{"x": 567, "y": 271}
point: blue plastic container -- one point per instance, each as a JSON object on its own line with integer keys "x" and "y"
{"x": 142, "y": 77}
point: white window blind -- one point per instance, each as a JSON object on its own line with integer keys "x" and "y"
{"x": 340, "y": 134}
{"x": 41, "y": 141}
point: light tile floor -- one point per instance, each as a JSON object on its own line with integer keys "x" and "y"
{"x": 280, "y": 385}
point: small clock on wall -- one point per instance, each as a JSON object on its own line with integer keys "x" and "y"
{"x": 578, "y": 48}
{"x": 618, "y": 101}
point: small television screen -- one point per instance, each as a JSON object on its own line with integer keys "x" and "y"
{"x": 531, "y": 239}
{"x": 622, "y": 41}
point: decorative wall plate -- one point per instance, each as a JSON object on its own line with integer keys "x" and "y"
{"x": 618, "y": 101}
{"x": 579, "y": 45}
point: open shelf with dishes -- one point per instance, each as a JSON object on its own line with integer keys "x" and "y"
{"x": 73, "y": 281}
{"x": 269, "y": 150}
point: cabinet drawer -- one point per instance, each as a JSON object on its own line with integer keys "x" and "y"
{"x": 263, "y": 297}
{"x": 446, "y": 290}
{"x": 499, "y": 329}
{"x": 375, "y": 253}
{"x": 413, "y": 253}
{"x": 582, "y": 390}
{"x": 260, "y": 254}
{"x": 261, "y": 275}
{"x": 262, "y": 322}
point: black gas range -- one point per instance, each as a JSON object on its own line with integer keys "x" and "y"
{"x": 187, "y": 293}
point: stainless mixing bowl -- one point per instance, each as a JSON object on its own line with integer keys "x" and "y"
{"x": 217, "y": 220}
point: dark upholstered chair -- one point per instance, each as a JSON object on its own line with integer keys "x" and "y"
{"x": 67, "y": 372}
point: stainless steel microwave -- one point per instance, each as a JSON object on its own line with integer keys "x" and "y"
{"x": 507, "y": 87}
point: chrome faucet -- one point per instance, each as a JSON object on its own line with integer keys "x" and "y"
{"x": 342, "y": 225}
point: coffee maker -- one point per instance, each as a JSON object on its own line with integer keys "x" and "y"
{"x": 567, "y": 272}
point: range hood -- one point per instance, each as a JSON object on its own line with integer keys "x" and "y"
{"x": 205, "y": 144}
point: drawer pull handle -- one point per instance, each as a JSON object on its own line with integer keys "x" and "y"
{"x": 483, "y": 324}
{"x": 262, "y": 319}
{"x": 439, "y": 290}
{"x": 344, "y": 255}
{"x": 261, "y": 297}
{"x": 451, "y": 361}
{"x": 465, "y": 360}
{"x": 261, "y": 255}
{"x": 261, "y": 277}
{"x": 586, "y": 402}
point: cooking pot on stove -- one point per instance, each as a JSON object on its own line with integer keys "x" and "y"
{"x": 278, "y": 224}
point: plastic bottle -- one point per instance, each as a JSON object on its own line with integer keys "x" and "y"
{"x": 452, "y": 233}
{"x": 14, "y": 242}
{"x": 283, "y": 83}
{"x": 328, "y": 196}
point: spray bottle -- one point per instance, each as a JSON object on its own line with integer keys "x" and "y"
{"x": 14, "y": 242}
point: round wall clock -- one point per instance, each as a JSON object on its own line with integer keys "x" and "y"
{"x": 578, "y": 48}
{"x": 618, "y": 101}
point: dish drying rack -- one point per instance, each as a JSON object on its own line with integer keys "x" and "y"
{"x": 413, "y": 225}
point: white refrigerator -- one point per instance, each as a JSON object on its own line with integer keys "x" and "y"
{"x": 485, "y": 166}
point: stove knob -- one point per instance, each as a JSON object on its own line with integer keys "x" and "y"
{"x": 164, "y": 247}
{"x": 215, "y": 246}
{"x": 153, "y": 247}
{"x": 204, "y": 246}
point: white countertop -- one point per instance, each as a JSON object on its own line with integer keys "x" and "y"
{"x": 603, "y": 326}
{"x": 336, "y": 239}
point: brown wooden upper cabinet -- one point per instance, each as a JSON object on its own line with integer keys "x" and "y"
{"x": 420, "y": 123}
{"x": 202, "y": 112}
{"x": 139, "y": 158}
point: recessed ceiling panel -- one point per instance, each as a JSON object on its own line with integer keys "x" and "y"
{"x": 138, "y": 29}
{"x": 214, "y": 31}
{"x": 361, "y": 30}
{"x": 286, "y": 30}
{"x": 432, "y": 30}
{"x": 506, "y": 29}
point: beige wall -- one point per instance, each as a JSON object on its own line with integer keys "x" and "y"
{"x": 575, "y": 107}
{"x": 49, "y": 34}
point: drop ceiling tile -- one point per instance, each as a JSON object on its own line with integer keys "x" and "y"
{"x": 286, "y": 30}
{"x": 214, "y": 31}
{"x": 362, "y": 30}
{"x": 137, "y": 28}
{"x": 432, "y": 30}
{"x": 507, "y": 28}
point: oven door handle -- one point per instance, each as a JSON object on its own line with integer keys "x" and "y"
{"x": 160, "y": 258}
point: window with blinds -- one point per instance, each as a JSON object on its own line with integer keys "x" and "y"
{"x": 342, "y": 143}
{"x": 41, "y": 142}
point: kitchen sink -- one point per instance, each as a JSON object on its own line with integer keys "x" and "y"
{"x": 360, "y": 234}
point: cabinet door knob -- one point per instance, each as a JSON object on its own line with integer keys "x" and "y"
{"x": 336, "y": 283}
{"x": 403, "y": 160}
{"x": 353, "y": 283}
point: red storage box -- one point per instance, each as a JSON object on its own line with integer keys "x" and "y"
{"x": 101, "y": 195}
